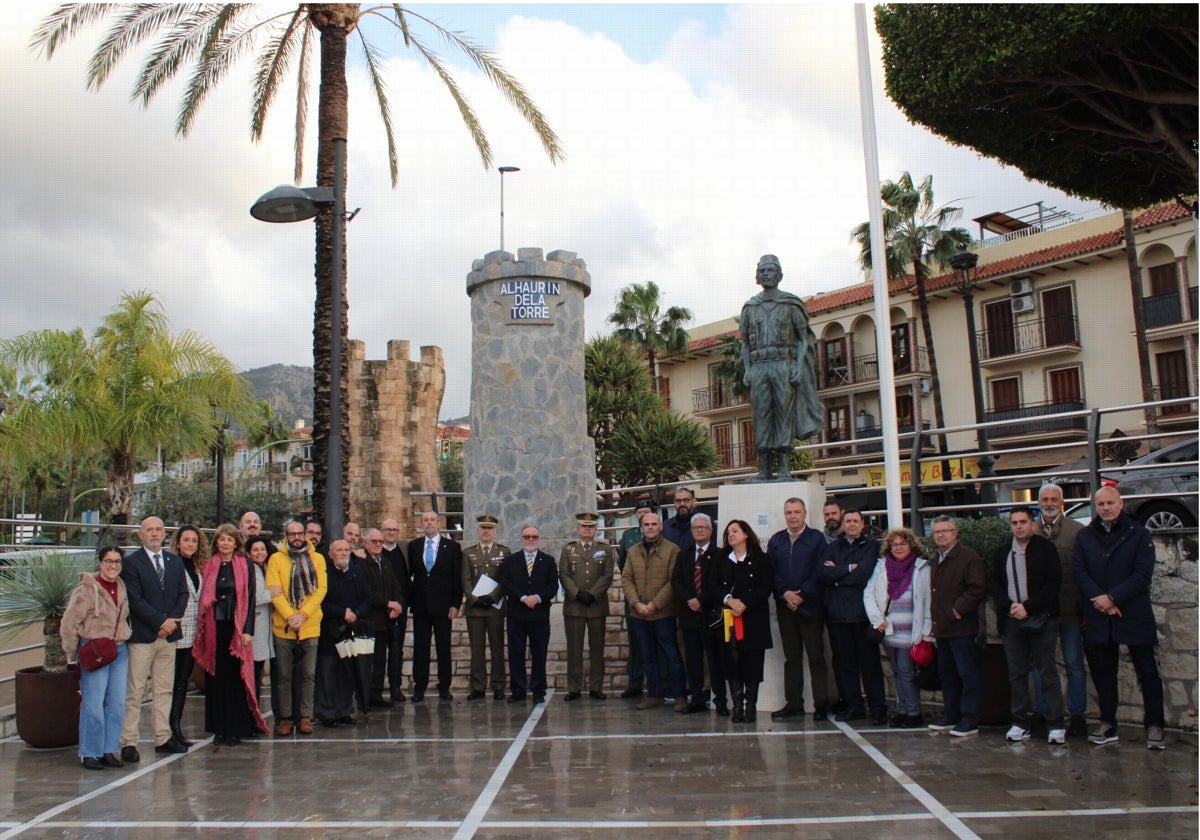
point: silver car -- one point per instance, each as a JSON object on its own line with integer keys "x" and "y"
{"x": 1167, "y": 481}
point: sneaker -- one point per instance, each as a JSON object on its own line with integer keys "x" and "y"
{"x": 941, "y": 724}
{"x": 964, "y": 730}
{"x": 1104, "y": 734}
{"x": 1057, "y": 736}
{"x": 1016, "y": 733}
{"x": 1154, "y": 738}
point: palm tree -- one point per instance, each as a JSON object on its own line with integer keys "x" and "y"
{"x": 268, "y": 430}
{"x": 641, "y": 322}
{"x": 915, "y": 233}
{"x": 618, "y": 389}
{"x": 661, "y": 446}
{"x": 133, "y": 385}
{"x": 212, "y": 37}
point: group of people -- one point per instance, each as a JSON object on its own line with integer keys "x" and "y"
{"x": 155, "y": 613}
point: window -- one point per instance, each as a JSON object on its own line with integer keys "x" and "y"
{"x": 1058, "y": 317}
{"x": 1065, "y": 386}
{"x": 1173, "y": 380}
{"x": 901, "y": 351}
{"x": 749, "y": 452}
{"x": 999, "y": 338}
{"x": 836, "y": 370}
{"x": 837, "y": 427}
{"x": 720, "y": 435}
{"x": 1006, "y": 394}
{"x": 904, "y": 409}
{"x": 1163, "y": 280}
{"x": 717, "y": 388}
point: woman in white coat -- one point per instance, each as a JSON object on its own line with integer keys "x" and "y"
{"x": 897, "y": 604}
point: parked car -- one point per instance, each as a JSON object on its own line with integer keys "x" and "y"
{"x": 1167, "y": 478}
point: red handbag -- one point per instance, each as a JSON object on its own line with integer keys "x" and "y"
{"x": 97, "y": 653}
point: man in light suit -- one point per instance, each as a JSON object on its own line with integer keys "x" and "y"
{"x": 529, "y": 578}
{"x": 435, "y": 571}
{"x": 158, "y": 595}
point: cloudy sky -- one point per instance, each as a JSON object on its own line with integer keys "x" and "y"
{"x": 697, "y": 137}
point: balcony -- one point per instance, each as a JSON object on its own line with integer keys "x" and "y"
{"x": 1173, "y": 391}
{"x": 1029, "y": 336}
{"x": 716, "y": 397}
{"x": 866, "y": 368}
{"x": 1026, "y": 422}
{"x": 736, "y": 456}
{"x": 1164, "y": 310}
{"x": 877, "y": 431}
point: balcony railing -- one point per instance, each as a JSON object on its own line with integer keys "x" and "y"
{"x": 714, "y": 397}
{"x": 866, "y": 368}
{"x": 1056, "y": 331}
{"x": 1025, "y": 422}
{"x": 1172, "y": 391}
{"x": 1164, "y": 310}
{"x": 877, "y": 431}
{"x": 736, "y": 456}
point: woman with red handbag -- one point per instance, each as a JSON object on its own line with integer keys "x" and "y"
{"x": 746, "y": 582}
{"x": 94, "y": 629}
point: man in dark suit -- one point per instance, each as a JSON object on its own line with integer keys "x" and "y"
{"x": 435, "y": 570}
{"x": 158, "y": 596}
{"x": 385, "y": 609}
{"x": 529, "y": 578}
{"x": 695, "y": 588}
{"x": 395, "y": 552}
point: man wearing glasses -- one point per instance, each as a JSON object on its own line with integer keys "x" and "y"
{"x": 529, "y": 578}
{"x": 395, "y": 553}
{"x": 386, "y": 609}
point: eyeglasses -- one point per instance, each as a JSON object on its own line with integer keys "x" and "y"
{"x": 293, "y": 533}
{"x": 530, "y": 537}
{"x": 110, "y": 562}
{"x": 391, "y": 529}
{"x": 943, "y": 532}
{"x": 375, "y": 540}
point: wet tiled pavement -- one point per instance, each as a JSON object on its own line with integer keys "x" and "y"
{"x": 492, "y": 770}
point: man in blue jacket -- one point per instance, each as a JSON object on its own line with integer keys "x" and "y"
{"x": 797, "y": 553}
{"x": 1114, "y": 563}
{"x": 848, "y": 566}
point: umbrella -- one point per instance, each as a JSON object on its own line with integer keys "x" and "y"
{"x": 355, "y": 653}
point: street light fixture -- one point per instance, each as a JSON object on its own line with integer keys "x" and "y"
{"x": 287, "y": 203}
{"x": 504, "y": 170}
{"x": 963, "y": 263}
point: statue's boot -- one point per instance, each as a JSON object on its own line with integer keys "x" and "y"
{"x": 765, "y": 465}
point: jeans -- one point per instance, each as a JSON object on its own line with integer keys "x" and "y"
{"x": 655, "y": 636}
{"x": 1070, "y": 633}
{"x": 1102, "y": 659}
{"x": 1034, "y": 652}
{"x": 102, "y": 706}
{"x": 908, "y": 694}
{"x": 958, "y": 667}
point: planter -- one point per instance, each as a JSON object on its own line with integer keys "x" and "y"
{"x": 47, "y": 707}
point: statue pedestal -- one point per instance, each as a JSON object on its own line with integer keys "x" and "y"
{"x": 762, "y": 506}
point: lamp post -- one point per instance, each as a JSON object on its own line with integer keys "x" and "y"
{"x": 964, "y": 263}
{"x": 297, "y": 204}
{"x": 504, "y": 170}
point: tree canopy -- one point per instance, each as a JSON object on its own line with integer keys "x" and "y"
{"x": 1097, "y": 100}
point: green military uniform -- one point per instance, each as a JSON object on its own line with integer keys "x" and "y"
{"x": 586, "y": 568}
{"x": 484, "y": 620}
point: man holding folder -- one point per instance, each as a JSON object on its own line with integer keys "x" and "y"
{"x": 485, "y": 608}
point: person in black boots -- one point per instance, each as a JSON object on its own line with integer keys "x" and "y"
{"x": 746, "y": 580}
{"x": 191, "y": 546}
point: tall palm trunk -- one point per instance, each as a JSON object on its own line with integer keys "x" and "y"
{"x": 334, "y": 23}
{"x": 1139, "y": 328}
{"x": 935, "y": 385}
{"x": 120, "y": 487}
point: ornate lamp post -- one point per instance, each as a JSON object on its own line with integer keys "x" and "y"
{"x": 964, "y": 263}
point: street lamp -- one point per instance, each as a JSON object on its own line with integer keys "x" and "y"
{"x": 963, "y": 263}
{"x": 504, "y": 170}
{"x": 296, "y": 204}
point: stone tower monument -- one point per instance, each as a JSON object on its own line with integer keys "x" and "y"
{"x": 529, "y": 459}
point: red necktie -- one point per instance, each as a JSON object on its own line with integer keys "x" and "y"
{"x": 696, "y": 573}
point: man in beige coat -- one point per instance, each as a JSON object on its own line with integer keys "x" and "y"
{"x": 647, "y": 585}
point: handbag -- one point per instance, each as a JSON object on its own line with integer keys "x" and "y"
{"x": 1034, "y": 623}
{"x": 97, "y": 654}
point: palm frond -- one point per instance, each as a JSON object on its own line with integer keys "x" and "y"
{"x": 221, "y": 49}
{"x": 474, "y": 127}
{"x": 64, "y": 22}
{"x": 175, "y": 48}
{"x": 135, "y": 24}
{"x": 35, "y": 586}
{"x": 373, "y": 59}
{"x": 273, "y": 63}
{"x": 302, "y": 83}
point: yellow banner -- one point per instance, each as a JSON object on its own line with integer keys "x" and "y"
{"x": 931, "y": 472}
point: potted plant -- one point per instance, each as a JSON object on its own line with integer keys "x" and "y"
{"x": 35, "y": 586}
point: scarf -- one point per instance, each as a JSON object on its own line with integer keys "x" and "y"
{"x": 204, "y": 648}
{"x": 899, "y": 574}
{"x": 304, "y": 578}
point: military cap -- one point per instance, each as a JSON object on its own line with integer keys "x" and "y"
{"x": 587, "y": 518}
{"x": 487, "y": 519}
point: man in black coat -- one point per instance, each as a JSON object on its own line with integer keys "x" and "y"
{"x": 435, "y": 572}
{"x": 386, "y": 608}
{"x": 695, "y": 588}
{"x": 529, "y": 578}
{"x": 1114, "y": 564}
{"x": 1026, "y": 579}
{"x": 158, "y": 596}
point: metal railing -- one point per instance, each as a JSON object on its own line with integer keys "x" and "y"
{"x": 1041, "y": 334}
{"x": 736, "y": 455}
{"x": 905, "y": 434}
{"x": 1047, "y": 414}
{"x": 1164, "y": 310}
{"x": 716, "y": 396}
{"x": 866, "y": 368}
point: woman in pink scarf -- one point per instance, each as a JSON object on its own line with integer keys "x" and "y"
{"x": 224, "y": 644}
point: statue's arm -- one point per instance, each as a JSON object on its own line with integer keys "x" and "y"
{"x": 744, "y": 329}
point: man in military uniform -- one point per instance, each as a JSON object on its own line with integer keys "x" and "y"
{"x": 485, "y": 613}
{"x": 586, "y": 572}
{"x": 636, "y": 677}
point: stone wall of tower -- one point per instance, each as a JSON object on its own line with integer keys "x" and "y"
{"x": 394, "y": 405}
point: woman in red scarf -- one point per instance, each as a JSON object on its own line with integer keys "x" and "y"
{"x": 224, "y": 644}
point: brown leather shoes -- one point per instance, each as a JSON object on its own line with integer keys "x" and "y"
{"x": 306, "y": 727}
{"x": 284, "y": 728}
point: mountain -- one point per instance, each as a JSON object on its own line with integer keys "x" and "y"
{"x": 288, "y": 388}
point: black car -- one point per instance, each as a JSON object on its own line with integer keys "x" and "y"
{"x": 1167, "y": 481}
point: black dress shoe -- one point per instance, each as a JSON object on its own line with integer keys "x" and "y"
{"x": 572, "y": 696}
{"x": 820, "y": 714}
{"x": 516, "y": 697}
{"x": 111, "y": 760}
{"x": 851, "y": 716}
{"x": 498, "y": 694}
{"x": 185, "y": 741}
{"x": 539, "y": 697}
{"x": 697, "y": 706}
{"x": 475, "y": 695}
{"x": 444, "y": 693}
{"x": 332, "y": 724}
{"x": 232, "y": 741}
{"x": 170, "y": 746}
{"x": 631, "y": 692}
{"x": 130, "y": 755}
{"x": 398, "y": 697}
{"x": 379, "y": 701}
{"x": 597, "y": 695}
{"x": 91, "y": 763}
{"x": 787, "y": 711}
{"x": 346, "y": 720}
{"x": 722, "y": 709}
{"x": 218, "y": 740}
{"x": 418, "y": 697}
{"x": 879, "y": 719}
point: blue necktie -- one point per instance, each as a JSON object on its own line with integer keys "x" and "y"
{"x": 430, "y": 556}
